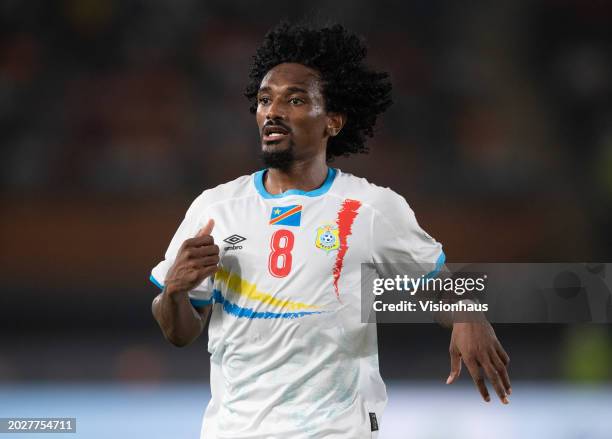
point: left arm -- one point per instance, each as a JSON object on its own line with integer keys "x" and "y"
{"x": 397, "y": 236}
{"x": 473, "y": 342}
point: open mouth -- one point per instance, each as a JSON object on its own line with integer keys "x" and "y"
{"x": 274, "y": 134}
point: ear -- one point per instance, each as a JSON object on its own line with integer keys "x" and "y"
{"x": 335, "y": 122}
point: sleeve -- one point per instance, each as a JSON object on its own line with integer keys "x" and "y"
{"x": 400, "y": 243}
{"x": 191, "y": 224}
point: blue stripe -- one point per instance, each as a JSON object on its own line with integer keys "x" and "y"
{"x": 438, "y": 267}
{"x": 258, "y": 180}
{"x": 194, "y": 302}
{"x": 200, "y": 302}
{"x": 249, "y": 313}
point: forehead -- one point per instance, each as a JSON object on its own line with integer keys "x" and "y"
{"x": 291, "y": 75}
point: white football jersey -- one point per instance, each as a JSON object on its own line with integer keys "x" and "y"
{"x": 289, "y": 355}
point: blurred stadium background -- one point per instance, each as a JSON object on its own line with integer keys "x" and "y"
{"x": 115, "y": 115}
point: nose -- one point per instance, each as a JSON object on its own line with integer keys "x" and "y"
{"x": 276, "y": 110}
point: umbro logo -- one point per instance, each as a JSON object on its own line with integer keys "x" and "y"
{"x": 233, "y": 240}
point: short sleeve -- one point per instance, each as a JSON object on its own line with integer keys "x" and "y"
{"x": 191, "y": 224}
{"x": 398, "y": 238}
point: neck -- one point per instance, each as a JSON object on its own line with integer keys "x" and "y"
{"x": 304, "y": 175}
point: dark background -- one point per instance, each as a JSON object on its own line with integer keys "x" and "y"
{"x": 115, "y": 115}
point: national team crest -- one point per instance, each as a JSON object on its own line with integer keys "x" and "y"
{"x": 328, "y": 238}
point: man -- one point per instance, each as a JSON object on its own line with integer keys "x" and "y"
{"x": 290, "y": 357}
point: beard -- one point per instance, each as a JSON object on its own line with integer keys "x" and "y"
{"x": 281, "y": 160}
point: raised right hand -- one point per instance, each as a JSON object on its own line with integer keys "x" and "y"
{"x": 196, "y": 260}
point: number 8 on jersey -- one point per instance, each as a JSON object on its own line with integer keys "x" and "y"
{"x": 279, "y": 261}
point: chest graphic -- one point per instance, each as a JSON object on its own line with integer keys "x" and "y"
{"x": 286, "y": 215}
{"x": 283, "y": 259}
{"x": 328, "y": 237}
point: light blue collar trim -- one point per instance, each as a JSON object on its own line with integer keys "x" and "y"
{"x": 258, "y": 180}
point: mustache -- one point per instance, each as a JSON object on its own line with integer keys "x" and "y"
{"x": 275, "y": 123}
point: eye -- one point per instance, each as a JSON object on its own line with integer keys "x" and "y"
{"x": 264, "y": 100}
{"x": 296, "y": 101}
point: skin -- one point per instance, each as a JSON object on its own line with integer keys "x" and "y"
{"x": 476, "y": 345}
{"x": 197, "y": 259}
{"x": 291, "y": 96}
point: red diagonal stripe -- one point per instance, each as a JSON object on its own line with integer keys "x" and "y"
{"x": 346, "y": 217}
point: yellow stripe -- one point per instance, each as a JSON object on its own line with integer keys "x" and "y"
{"x": 250, "y": 291}
{"x": 282, "y": 216}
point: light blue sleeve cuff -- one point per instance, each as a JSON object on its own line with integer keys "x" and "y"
{"x": 439, "y": 264}
{"x": 195, "y": 302}
{"x": 157, "y": 284}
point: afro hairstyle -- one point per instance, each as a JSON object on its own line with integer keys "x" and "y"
{"x": 349, "y": 86}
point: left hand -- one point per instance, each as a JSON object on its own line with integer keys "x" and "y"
{"x": 478, "y": 347}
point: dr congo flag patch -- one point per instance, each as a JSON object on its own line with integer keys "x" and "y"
{"x": 286, "y": 215}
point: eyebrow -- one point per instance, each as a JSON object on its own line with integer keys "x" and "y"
{"x": 297, "y": 90}
{"x": 292, "y": 89}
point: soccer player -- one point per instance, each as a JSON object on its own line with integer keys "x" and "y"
{"x": 274, "y": 258}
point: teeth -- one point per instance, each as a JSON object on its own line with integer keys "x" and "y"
{"x": 275, "y": 134}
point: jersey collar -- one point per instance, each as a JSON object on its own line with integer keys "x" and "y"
{"x": 258, "y": 180}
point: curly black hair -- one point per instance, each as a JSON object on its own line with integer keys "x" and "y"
{"x": 349, "y": 87}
